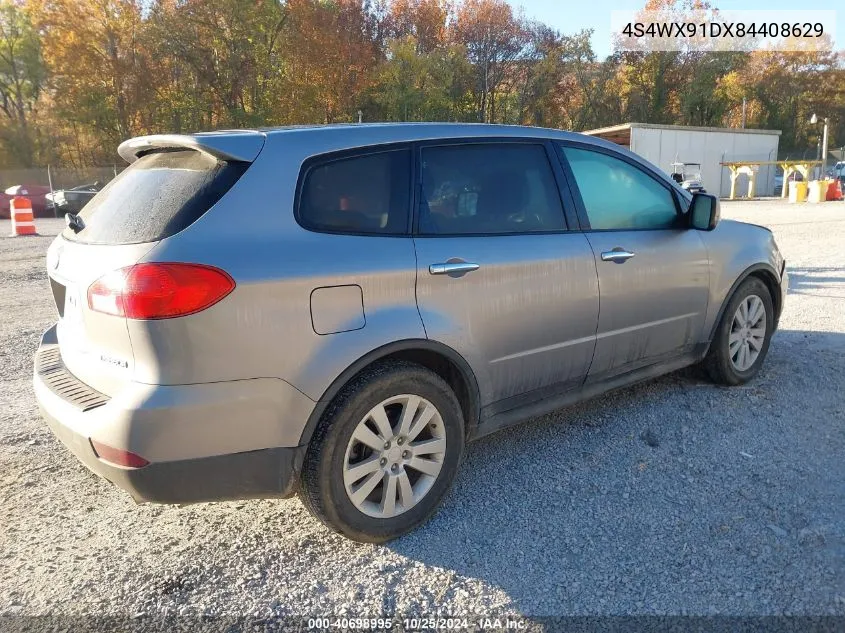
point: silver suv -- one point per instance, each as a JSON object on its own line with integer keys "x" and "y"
{"x": 337, "y": 310}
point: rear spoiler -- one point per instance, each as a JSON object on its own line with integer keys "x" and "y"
{"x": 235, "y": 145}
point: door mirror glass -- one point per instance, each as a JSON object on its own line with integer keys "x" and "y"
{"x": 704, "y": 212}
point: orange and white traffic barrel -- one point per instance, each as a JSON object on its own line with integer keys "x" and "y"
{"x": 23, "y": 221}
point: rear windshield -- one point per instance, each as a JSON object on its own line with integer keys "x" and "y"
{"x": 157, "y": 196}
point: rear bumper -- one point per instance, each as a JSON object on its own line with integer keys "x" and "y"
{"x": 269, "y": 472}
{"x": 175, "y": 433}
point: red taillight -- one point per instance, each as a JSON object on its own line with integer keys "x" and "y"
{"x": 118, "y": 456}
{"x": 159, "y": 291}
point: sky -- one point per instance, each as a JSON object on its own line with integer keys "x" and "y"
{"x": 570, "y": 16}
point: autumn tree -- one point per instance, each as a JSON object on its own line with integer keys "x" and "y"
{"x": 98, "y": 65}
{"x": 226, "y": 56}
{"x": 552, "y": 85}
{"x": 424, "y": 20}
{"x": 786, "y": 88}
{"x": 332, "y": 53}
{"x": 494, "y": 39}
{"x": 22, "y": 76}
{"x": 415, "y": 86}
{"x": 79, "y": 76}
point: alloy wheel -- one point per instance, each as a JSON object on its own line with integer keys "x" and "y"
{"x": 394, "y": 456}
{"x": 748, "y": 332}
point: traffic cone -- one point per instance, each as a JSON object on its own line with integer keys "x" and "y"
{"x": 834, "y": 190}
{"x": 23, "y": 222}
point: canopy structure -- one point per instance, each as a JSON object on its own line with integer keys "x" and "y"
{"x": 750, "y": 167}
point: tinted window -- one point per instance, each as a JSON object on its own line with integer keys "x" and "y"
{"x": 488, "y": 189}
{"x": 157, "y": 196}
{"x": 361, "y": 194}
{"x": 618, "y": 195}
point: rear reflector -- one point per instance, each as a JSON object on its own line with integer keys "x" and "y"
{"x": 118, "y": 456}
{"x": 159, "y": 291}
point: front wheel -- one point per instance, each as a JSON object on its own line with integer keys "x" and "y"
{"x": 384, "y": 454}
{"x": 742, "y": 338}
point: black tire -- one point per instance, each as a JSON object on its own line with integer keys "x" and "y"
{"x": 322, "y": 488}
{"x": 718, "y": 362}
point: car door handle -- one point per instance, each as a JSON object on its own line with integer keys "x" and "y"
{"x": 617, "y": 256}
{"x": 451, "y": 268}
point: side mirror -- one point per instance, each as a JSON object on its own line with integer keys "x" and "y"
{"x": 704, "y": 212}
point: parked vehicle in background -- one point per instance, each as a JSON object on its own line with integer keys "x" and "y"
{"x": 74, "y": 199}
{"x": 336, "y": 310}
{"x": 42, "y": 206}
{"x": 688, "y": 175}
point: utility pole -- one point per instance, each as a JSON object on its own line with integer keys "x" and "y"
{"x": 52, "y": 192}
{"x": 824, "y": 149}
{"x": 822, "y": 142}
{"x": 485, "y": 96}
{"x": 744, "y": 106}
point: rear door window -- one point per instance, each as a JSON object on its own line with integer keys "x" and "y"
{"x": 488, "y": 189}
{"x": 157, "y": 196}
{"x": 365, "y": 194}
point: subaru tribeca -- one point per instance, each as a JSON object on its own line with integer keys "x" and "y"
{"x": 336, "y": 310}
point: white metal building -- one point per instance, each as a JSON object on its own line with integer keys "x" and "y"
{"x": 709, "y": 146}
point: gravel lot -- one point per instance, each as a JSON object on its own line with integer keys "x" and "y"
{"x": 673, "y": 497}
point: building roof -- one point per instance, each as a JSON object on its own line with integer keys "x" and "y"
{"x": 624, "y": 127}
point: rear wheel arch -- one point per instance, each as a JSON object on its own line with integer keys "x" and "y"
{"x": 437, "y": 357}
{"x": 767, "y": 275}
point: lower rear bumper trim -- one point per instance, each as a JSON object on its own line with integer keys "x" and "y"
{"x": 264, "y": 473}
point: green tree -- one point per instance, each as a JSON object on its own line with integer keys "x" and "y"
{"x": 99, "y": 73}
{"x": 414, "y": 86}
{"x": 22, "y": 76}
{"x": 786, "y": 88}
{"x": 224, "y": 55}
{"x": 494, "y": 39}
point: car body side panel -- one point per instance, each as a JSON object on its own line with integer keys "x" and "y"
{"x": 526, "y": 319}
{"x": 735, "y": 247}
{"x": 264, "y": 328}
{"x": 653, "y": 305}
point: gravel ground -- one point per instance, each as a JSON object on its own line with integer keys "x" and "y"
{"x": 672, "y": 497}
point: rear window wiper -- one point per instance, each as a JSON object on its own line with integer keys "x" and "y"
{"x": 74, "y": 222}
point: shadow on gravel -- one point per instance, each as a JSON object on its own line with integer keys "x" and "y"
{"x": 808, "y": 281}
{"x": 674, "y": 496}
